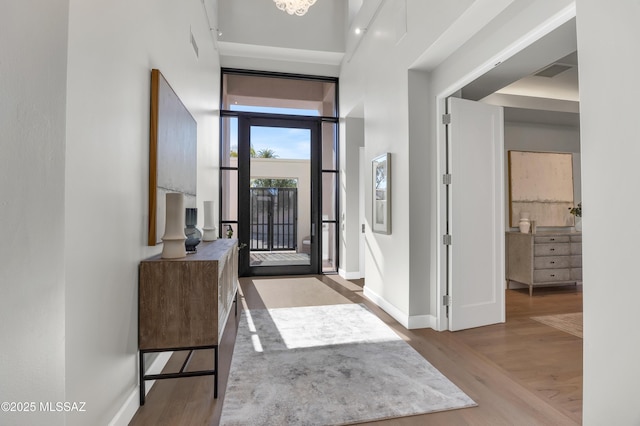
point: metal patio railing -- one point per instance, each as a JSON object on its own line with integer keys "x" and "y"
{"x": 274, "y": 219}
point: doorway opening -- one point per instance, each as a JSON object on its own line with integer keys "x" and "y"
{"x": 538, "y": 54}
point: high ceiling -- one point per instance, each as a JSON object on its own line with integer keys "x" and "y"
{"x": 255, "y": 34}
{"x": 259, "y": 36}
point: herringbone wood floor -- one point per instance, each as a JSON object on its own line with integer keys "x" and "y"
{"x": 520, "y": 373}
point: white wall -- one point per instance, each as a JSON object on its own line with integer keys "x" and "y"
{"x": 112, "y": 48}
{"x": 350, "y": 221}
{"x": 33, "y": 42}
{"x": 422, "y": 158}
{"x": 607, "y": 34}
{"x": 377, "y": 76}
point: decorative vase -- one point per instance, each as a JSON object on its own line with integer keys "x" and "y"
{"x": 174, "y": 238}
{"x": 210, "y": 232}
{"x": 524, "y": 223}
{"x": 578, "y": 224}
{"x": 193, "y": 234}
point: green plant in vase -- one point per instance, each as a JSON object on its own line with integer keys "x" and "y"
{"x": 577, "y": 212}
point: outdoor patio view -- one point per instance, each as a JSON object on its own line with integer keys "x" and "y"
{"x": 280, "y": 196}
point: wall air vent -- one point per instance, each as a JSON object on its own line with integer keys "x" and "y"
{"x": 552, "y": 70}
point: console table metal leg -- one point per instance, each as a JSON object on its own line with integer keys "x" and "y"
{"x": 186, "y": 361}
{"x": 182, "y": 372}
{"x": 142, "y": 388}
{"x": 215, "y": 377}
{"x": 236, "y": 302}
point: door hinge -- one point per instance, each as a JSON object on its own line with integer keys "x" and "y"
{"x": 446, "y": 239}
{"x": 446, "y": 118}
{"x": 363, "y": 228}
{"x": 446, "y": 179}
{"x": 446, "y": 300}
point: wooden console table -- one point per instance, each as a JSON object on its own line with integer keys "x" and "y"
{"x": 183, "y": 304}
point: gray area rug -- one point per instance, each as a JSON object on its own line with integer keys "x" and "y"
{"x": 328, "y": 365}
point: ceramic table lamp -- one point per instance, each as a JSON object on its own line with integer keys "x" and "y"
{"x": 174, "y": 237}
{"x": 209, "y": 229}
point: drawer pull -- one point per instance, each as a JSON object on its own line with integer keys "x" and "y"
{"x": 552, "y": 239}
{"x": 552, "y": 249}
{"x": 553, "y": 275}
{"x": 552, "y": 262}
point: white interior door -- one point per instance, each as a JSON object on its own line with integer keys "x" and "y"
{"x": 476, "y": 215}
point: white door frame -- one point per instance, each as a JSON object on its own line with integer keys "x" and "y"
{"x": 362, "y": 170}
{"x": 442, "y": 273}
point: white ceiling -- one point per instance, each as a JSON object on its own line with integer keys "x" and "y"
{"x": 563, "y": 86}
{"x": 256, "y": 35}
{"x": 530, "y": 98}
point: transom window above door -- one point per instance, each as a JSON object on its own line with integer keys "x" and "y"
{"x": 277, "y": 94}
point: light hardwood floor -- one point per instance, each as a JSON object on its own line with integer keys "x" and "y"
{"x": 520, "y": 373}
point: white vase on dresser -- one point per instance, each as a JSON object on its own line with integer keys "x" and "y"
{"x": 524, "y": 223}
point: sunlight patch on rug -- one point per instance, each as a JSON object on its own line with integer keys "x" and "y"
{"x": 569, "y": 323}
{"x": 328, "y": 365}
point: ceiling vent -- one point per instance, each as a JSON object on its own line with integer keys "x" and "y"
{"x": 552, "y": 70}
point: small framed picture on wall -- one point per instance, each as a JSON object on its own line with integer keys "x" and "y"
{"x": 381, "y": 184}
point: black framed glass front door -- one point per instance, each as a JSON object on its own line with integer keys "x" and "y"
{"x": 279, "y": 194}
{"x": 279, "y": 177}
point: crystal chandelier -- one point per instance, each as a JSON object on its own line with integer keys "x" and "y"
{"x": 298, "y": 7}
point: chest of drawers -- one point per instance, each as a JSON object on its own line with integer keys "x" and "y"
{"x": 542, "y": 259}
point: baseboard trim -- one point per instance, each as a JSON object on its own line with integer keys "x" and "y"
{"x": 408, "y": 322}
{"x": 131, "y": 405}
{"x": 349, "y": 275}
{"x": 422, "y": 321}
